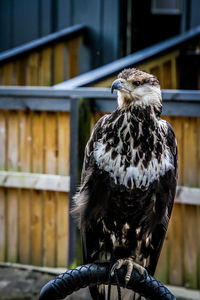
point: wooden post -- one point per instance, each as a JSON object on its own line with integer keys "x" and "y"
{"x": 79, "y": 134}
{"x": 73, "y": 178}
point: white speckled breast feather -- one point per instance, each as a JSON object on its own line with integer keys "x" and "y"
{"x": 122, "y": 167}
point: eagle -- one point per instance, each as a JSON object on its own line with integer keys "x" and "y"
{"x": 128, "y": 181}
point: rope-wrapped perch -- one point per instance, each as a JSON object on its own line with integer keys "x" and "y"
{"x": 94, "y": 274}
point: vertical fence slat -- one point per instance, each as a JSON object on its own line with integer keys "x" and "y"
{"x": 3, "y": 134}
{"x": 20, "y": 72}
{"x": 63, "y": 143}
{"x": 49, "y": 229}
{"x": 190, "y": 246}
{"x": 24, "y": 195}
{"x": 37, "y": 196}
{"x": 2, "y": 225}
{"x": 12, "y": 194}
{"x": 190, "y": 175}
{"x": 12, "y": 141}
{"x": 58, "y": 57}
{"x": 62, "y": 198}
{"x": 24, "y": 226}
{"x": 174, "y": 72}
{"x": 62, "y": 229}
{"x": 37, "y": 142}
{"x": 190, "y": 166}
{"x": 72, "y": 61}
{"x": 176, "y": 253}
{"x": 50, "y": 163}
{"x": 25, "y": 141}
{"x": 167, "y": 75}
{"x": 32, "y": 72}
{"x": 45, "y": 67}
{"x": 7, "y": 74}
{"x": 37, "y": 228}
{"x": 12, "y": 223}
{"x": 51, "y": 150}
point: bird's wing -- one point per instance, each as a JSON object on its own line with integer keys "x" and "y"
{"x": 95, "y": 136}
{"x": 89, "y": 200}
{"x": 165, "y": 196}
{"x": 91, "y": 195}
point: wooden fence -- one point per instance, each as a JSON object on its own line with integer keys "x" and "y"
{"x": 34, "y": 180}
{"x": 45, "y": 61}
{"x": 166, "y": 60}
{"x": 179, "y": 263}
{"x": 39, "y": 167}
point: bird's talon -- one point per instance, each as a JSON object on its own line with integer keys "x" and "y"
{"x": 141, "y": 270}
{"x": 115, "y": 266}
{"x": 131, "y": 264}
{"x": 145, "y": 274}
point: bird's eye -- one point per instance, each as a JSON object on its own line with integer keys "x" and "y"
{"x": 137, "y": 83}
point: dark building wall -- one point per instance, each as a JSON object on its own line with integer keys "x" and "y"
{"x": 149, "y": 28}
{"x": 191, "y": 14}
{"x": 24, "y": 20}
{"x": 19, "y": 22}
{"x": 115, "y": 27}
{"x": 194, "y": 18}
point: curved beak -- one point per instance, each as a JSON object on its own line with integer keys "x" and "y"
{"x": 116, "y": 85}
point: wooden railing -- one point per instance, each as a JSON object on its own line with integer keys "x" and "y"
{"x": 163, "y": 66}
{"x": 40, "y": 158}
{"x": 160, "y": 59}
{"x": 45, "y": 61}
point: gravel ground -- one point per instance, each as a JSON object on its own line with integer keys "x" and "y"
{"x": 18, "y": 284}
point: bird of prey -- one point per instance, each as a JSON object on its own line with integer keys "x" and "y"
{"x": 128, "y": 179}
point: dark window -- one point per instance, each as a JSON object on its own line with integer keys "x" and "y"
{"x": 166, "y": 7}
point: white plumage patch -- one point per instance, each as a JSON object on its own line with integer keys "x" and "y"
{"x": 139, "y": 176}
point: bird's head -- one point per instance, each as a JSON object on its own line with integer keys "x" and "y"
{"x": 138, "y": 88}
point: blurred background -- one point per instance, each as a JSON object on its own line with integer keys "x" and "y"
{"x": 48, "y": 50}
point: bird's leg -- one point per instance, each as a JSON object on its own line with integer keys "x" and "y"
{"x": 131, "y": 264}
